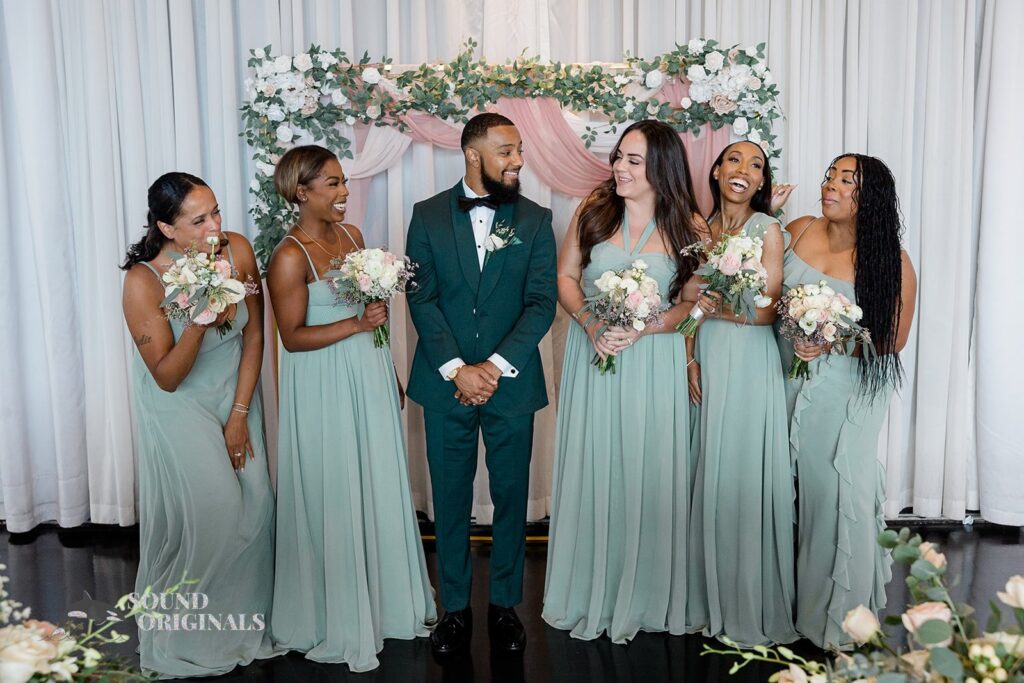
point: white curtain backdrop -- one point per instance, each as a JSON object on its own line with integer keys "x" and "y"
{"x": 99, "y": 97}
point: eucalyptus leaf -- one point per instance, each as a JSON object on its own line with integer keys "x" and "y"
{"x": 945, "y": 662}
{"x": 933, "y": 632}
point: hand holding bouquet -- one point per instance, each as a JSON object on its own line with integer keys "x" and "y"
{"x": 733, "y": 269}
{"x": 627, "y": 298}
{"x": 817, "y": 314}
{"x": 369, "y": 275}
{"x": 199, "y": 286}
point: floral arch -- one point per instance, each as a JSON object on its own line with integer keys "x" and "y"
{"x": 322, "y": 95}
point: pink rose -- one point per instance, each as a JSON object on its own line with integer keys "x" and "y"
{"x": 364, "y": 282}
{"x": 389, "y": 257}
{"x": 182, "y": 299}
{"x": 722, "y": 104}
{"x": 729, "y": 264}
{"x": 634, "y": 299}
{"x": 205, "y": 318}
{"x": 222, "y": 267}
{"x": 917, "y": 615}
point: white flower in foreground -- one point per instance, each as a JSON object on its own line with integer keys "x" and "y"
{"x": 714, "y": 60}
{"x": 1014, "y": 595}
{"x": 686, "y": 103}
{"x": 284, "y": 133}
{"x": 861, "y": 624}
{"x": 493, "y": 243}
{"x": 740, "y": 126}
{"x": 303, "y": 62}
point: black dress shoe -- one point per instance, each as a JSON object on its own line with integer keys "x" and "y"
{"x": 453, "y": 632}
{"x": 505, "y": 629}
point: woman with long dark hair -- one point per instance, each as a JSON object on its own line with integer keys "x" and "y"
{"x": 617, "y": 553}
{"x": 741, "y": 525}
{"x": 205, "y": 513}
{"x": 837, "y": 413}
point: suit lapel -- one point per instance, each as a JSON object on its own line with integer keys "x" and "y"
{"x": 496, "y": 262}
{"x": 465, "y": 244}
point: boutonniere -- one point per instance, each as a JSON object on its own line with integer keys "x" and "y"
{"x": 503, "y": 235}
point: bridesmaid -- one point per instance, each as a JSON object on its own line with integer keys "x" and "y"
{"x": 837, "y": 413}
{"x": 202, "y": 513}
{"x": 350, "y": 565}
{"x": 741, "y": 525}
{"x": 617, "y": 555}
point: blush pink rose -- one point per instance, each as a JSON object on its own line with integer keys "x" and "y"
{"x": 364, "y": 282}
{"x": 729, "y": 264}
{"x": 222, "y": 267}
{"x": 722, "y": 104}
{"x": 917, "y": 615}
{"x": 205, "y": 318}
{"x": 634, "y": 299}
{"x": 182, "y": 299}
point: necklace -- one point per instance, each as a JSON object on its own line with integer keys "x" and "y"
{"x": 335, "y": 258}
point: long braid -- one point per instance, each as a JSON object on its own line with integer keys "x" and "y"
{"x": 879, "y": 269}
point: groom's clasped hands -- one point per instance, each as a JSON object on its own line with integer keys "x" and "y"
{"x": 476, "y": 383}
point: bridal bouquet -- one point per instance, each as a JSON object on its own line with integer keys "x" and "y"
{"x": 733, "y": 269}
{"x": 817, "y": 314}
{"x": 33, "y": 650}
{"x": 627, "y": 298}
{"x": 944, "y": 642}
{"x": 368, "y": 275}
{"x": 199, "y": 286}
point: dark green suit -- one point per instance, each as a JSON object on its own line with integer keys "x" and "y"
{"x": 462, "y": 312}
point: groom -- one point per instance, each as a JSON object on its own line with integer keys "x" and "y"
{"x": 485, "y": 296}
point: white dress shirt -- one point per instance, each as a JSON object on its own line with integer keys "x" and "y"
{"x": 480, "y": 217}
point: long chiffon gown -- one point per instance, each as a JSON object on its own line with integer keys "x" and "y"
{"x": 617, "y": 552}
{"x": 198, "y": 517}
{"x": 742, "y": 518}
{"x": 833, "y": 437}
{"x": 350, "y": 564}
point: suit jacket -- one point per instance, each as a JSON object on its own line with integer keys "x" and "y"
{"x": 461, "y": 311}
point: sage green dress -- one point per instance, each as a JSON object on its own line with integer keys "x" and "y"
{"x": 742, "y": 518}
{"x": 621, "y": 488}
{"x": 833, "y": 437}
{"x": 350, "y": 564}
{"x": 198, "y": 517}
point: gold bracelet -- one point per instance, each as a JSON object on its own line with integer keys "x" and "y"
{"x": 243, "y": 411}
{"x": 691, "y": 361}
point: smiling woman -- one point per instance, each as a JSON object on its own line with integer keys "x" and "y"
{"x": 202, "y": 513}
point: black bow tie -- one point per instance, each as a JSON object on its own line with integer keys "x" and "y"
{"x": 467, "y": 203}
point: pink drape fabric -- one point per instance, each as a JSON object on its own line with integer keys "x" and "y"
{"x": 426, "y": 128}
{"x": 358, "y": 188}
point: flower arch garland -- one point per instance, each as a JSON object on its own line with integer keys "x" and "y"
{"x": 317, "y": 94}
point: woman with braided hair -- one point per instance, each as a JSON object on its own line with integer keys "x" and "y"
{"x": 837, "y": 412}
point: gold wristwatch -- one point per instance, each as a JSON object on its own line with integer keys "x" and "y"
{"x": 454, "y": 372}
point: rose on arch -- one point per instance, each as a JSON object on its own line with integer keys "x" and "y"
{"x": 284, "y": 133}
{"x": 722, "y": 104}
{"x": 371, "y": 76}
{"x": 696, "y": 46}
{"x": 714, "y": 60}
{"x": 654, "y": 79}
{"x": 303, "y": 62}
{"x": 282, "y": 64}
{"x": 740, "y": 126}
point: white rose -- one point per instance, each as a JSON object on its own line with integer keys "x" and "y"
{"x": 753, "y": 83}
{"x": 283, "y": 64}
{"x": 338, "y": 98}
{"x": 740, "y": 126}
{"x": 629, "y": 284}
{"x": 767, "y": 77}
{"x": 751, "y": 51}
{"x": 762, "y": 301}
{"x": 754, "y": 135}
{"x": 714, "y": 60}
{"x": 686, "y": 103}
{"x": 326, "y": 60}
{"x": 389, "y": 279}
{"x": 808, "y": 324}
{"x": 696, "y": 73}
{"x": 639, "y": 325}
{"x": 268, "y": 88}
{"x": 648, "y": 286}
{"x": 828, "y": 331}
{"x": 284, "y": 133}
{"x": 621, "y": 80}
{"x": 350, "y": 120}
{"x": 855, "y": 313}
{"x": 695, "y": 46}
{"x": 303, "y": 62}
{"x": 264, "y": 168}
{"x": 861, "y": 624}
{"x": 1014, "y": 595}
{"x": 259, "y": 53}
{"x": 254, "y": 185}
{"x": 373, "y": 111}
{"x": 760, "y": 68}
{"x": 371, "y": 76}
{"x": 234, "y": 291}
{"x": 275, "y": 113}
{"x": 373, "y": 268}
{"x": 493, "y": 243}
{"x": 701, "y": 92}
{"x": 654, "y": 79}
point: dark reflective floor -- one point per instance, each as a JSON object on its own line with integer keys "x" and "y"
{"x": 52, "y": 569}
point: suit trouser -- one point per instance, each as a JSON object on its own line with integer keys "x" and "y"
{"x": 452, "y": 455}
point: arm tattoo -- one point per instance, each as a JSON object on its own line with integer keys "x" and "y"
{"x": 143, "y": 339}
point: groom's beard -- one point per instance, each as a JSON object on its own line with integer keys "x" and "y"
{"x": 497, "y": 189}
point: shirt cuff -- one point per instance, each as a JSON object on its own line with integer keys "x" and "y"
{"x": 446, "y": 369}
{"x": 506, "y": 368}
